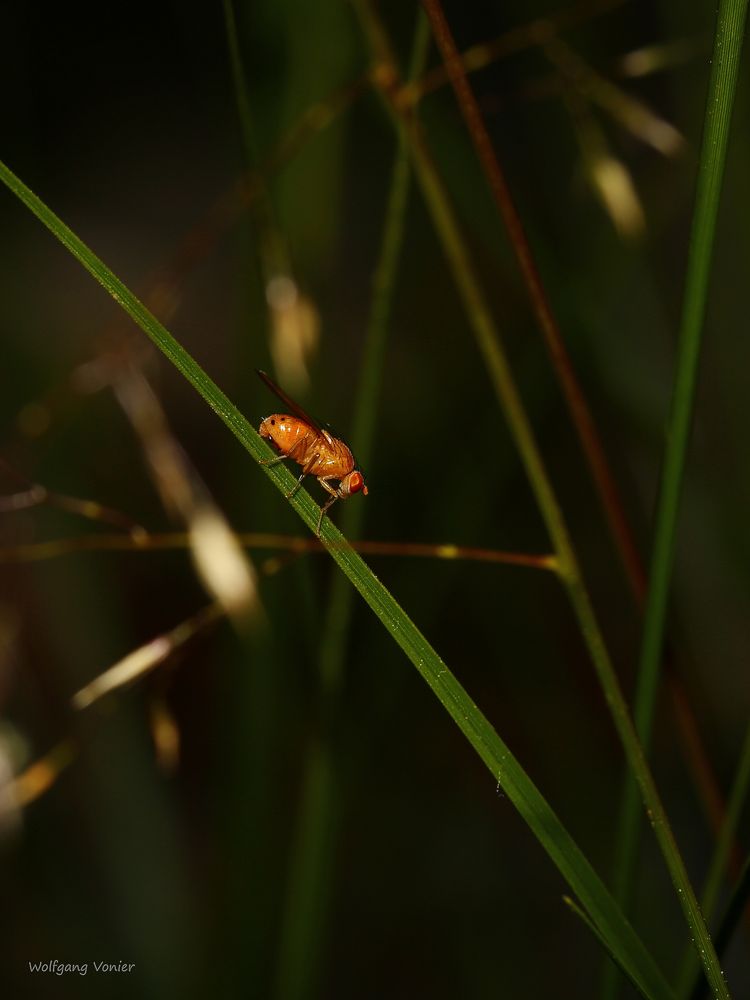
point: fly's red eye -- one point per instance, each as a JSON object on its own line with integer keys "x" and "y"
{"x": 357, "y": 483}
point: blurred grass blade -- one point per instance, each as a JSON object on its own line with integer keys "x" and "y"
{"x": 294, "y": 322}
{"x": 314, "y": 853}
{"x": 504, "y": 768}
{"x": 145, "y": 658}
{"x": 373, "y": 361}
{"x": 164, "y": 340}
{"x": 575, "y": 908}
{"x": 720, "y": 100}
{"x": 643, "y": 123}
{"x": 719, "y": 103}
{"x": 735, "y": 805}
{"x": 718, "y": 867}
{"x": 736, "y": 906}
{"x": 541, "y": 306}
{"x": 34, "y": 780}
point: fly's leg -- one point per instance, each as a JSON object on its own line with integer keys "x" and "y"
{"x": 323, "y": 509}
{"x": 305, "y": 471}
{"x": 329, "y": 503}
{"x": 296, "y": 486}
{"x": 282, "y": 458}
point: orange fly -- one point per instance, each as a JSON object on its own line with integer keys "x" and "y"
{"x": 297, "y": 436}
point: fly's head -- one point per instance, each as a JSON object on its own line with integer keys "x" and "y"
{"x": 354, "y": 482}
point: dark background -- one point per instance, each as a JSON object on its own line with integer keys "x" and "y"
{"x": 124, "y": 121}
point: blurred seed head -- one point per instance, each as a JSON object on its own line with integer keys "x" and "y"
{"x": 169, "y": 466}
{"x": 657, "y": 58}
{"x": 220, "y": 561}
{"x": 295, "y": 332}
{"x": 222, "y": 565}
{"x": 126, "y": 670}
{"x": 616, "y": 191}
{"x": 166, "y": 736}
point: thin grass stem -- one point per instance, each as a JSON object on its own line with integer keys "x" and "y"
{"x": 294, "y": 544}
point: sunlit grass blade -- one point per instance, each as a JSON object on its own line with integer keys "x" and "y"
{"x": 719, "y": 103}
{"x": 505, "y": 770}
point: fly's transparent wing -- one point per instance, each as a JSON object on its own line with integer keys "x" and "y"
{"x": 293, "y": 407}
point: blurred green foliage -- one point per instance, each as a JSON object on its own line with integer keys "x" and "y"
{"x": 435, "y": 887}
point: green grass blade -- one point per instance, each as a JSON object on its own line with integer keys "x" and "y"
{"x": 733, "y": 912}
{"x": 727, "y": 47}
{"x": 502, "y": 765}
{"x": 310, "y": 877}
{"x": 575, "y": 908}
{"x": 272, "y": 248}
{"x": 373, "y": 361}
{"x": 720, "y": 99}
{"x": 735, "y": 805}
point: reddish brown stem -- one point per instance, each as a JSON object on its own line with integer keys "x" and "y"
{"x": 579, "y": 411}
{"x": 293, "y": 544}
